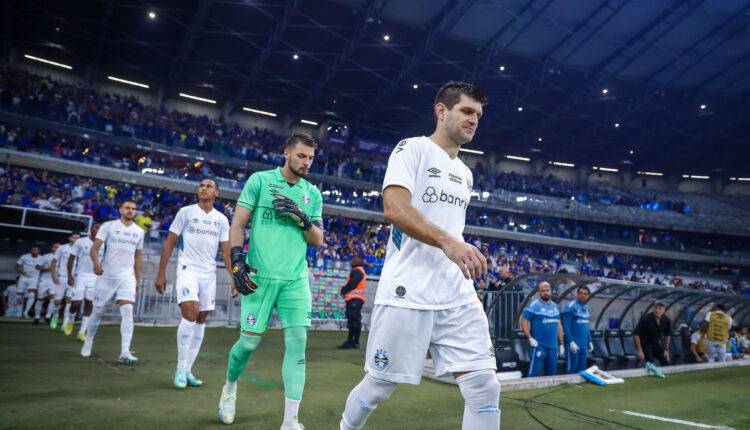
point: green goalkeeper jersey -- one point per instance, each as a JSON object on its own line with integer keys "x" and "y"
{"x": 277, "y": 247}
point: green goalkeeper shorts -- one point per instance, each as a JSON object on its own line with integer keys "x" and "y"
{"x": 292, "y": 300}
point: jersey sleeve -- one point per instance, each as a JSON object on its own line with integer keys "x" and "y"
{"x": 528, "y": 313}
{"x": 224, "y": 236}
{"x": 58, "y": 255}
{"x": 695, "y": 338}
{"x": 403, "y": 165}
{"x": 20, "y": 260}
{"x": 103, "y": 232}
{"x": 141, "y": 235}
{"x": 317, "y": 207}
{"x": 250, "y": 193}
{"x": 708, "y": 317}
{"x": 178, "y": 223}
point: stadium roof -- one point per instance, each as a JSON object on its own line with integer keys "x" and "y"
{"x": 676, "y": 73}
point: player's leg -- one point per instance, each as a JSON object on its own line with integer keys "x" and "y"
{"x": 550, "y": 362}
{"x": 294, "y": 304}
{"x": 255, "y": 311}
{"x": 207, "y": 303}
{"x": 89, "y": 283}
{"x": 75, "y": 294}
{"x": 186, "y": 286}
{"x": 461, "y": 345}
{"x": 104, "y": 290}
{"x": 394, "y": 332}
{"x": 536, "y": 363}
{"x": 29, "y": 289}
{"x": 581, "y": 359}
{"x": 41, "y": 295}
{"x": 125, "y": 296}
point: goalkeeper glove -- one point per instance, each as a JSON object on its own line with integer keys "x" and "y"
{"x": 573, "y": 347}
{"x": 286, "y": 206}
{"x": 241, "y": 272}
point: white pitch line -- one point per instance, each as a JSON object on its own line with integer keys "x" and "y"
{"x": 673, "y": 420}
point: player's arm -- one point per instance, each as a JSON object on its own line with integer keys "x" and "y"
{"x": 19, "y": 269}
{"x": 240, "y": 269}
{"x": 137, "y": 268}
{"x": 311, "y": 230}
{"x": 694, "y": 351}
{"x": 314, "y": 235}
{"x": 53, "y": 269}
{"x": 94, "y": 254}
{"x": 166, "y": 253}
{"x": 69, "y": 268}
{"x": 567, "y": 318}
{"x": 237, "y": 229}
{"x": 226, "y": 253}
{"x": 526, "y": 328}
{"x": 399, "y": 211}
{"x": 560, "y": 336}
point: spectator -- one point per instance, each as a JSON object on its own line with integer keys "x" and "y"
{"x": 540, "y": 322}
{"x": 698, "y": 348}
{"x": 719, "y": 324}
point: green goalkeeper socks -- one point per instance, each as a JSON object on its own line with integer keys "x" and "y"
{"x": 239, "y": 355}
{"x": 293, "y": 368}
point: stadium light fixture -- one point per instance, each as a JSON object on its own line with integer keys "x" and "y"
{"x": 646, "y": 173}
{"x": 502, "y": 68}
{"x": 125, "y": 81}
{"x": 696, "y": 177}
{"x": 471, "y": 151}
{"x": 415, "y": 86}
{"x": 631, "y": 152}
{"x": 259, "y": 112}
{"x": 561, "y": 164}
{"x": 617, "y": 125}
{"x": 741, "y": 179}
{"x": 703, "y": 107}
{"x": 46, "y": 61}
{"x": 200, "y": 99}
{"x": 539, "y": 139}
{"x": 295, "y": 57}
{"x": 308, "y": 122}
{"x": 517, "y": 158}
{"x": 387, "y": 37}
{"x": 151, "y": 14}
{"x": 605, "y": 91}
{"x": 520, "y": 108}
{"x": 606, "y": 169}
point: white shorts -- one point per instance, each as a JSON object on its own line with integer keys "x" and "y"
{"x": 60, "y": 288}
{"x": 458, "y": 340}
{"x": 196, "y": 287}
{"x": 119, "y": 288}
{"x": 25, "y": 284}
{"x": 44, "y": 289}
{"x": 83, "y": 284}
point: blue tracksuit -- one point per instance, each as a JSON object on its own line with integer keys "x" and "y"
{"x": 544, "y": 318}
{"x": 575, "y": 322}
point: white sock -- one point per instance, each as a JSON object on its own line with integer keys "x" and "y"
{"x": 363, "y": 399}
{"x": 29, "y": 303}
{"x": 51, "y": 309}
{"x": 94, "y": 320}
{"x": 184, "y": 337}
{"x": 84, "y": 324}
{"x": 291, "y": 409}
{"x": 195, "y": 344}
{"x": 481, "y": 392}
{"x": 126, "y": 327}
{"x": 37, "y": 309}
{"x": 66, "y": 314}
{"x": 230, "y": 387}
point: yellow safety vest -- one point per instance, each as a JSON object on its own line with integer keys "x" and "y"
{"x": 718, "y": 327}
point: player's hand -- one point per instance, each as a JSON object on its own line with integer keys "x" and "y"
{"x": 699, "y": 359}
{"x": 161, "y": 283}
{"x": 573, "y": 347}
{"x": 286, "y": 206}
{"x": 98, "y": 269}
{"x": 137, "y": 285}
{"x": 232, "y": 289}
{"x": 533, "y": 342}
{"x": 468, "y": 258}
{"x": 666, "y": 354}
{"x": 591, "y": 347}
{"x": 241, "y": 272}
{"x": 640, "y": 355}
{"x": 561, "y": 349}
{"x": 71, "y": 280}
{"x": 55, "y": 279}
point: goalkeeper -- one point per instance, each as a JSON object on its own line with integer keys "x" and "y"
{"x": 285, "y": 211}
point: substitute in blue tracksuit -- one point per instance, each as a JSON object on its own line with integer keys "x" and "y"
{"x": 575, "y": 322}
{"x": 540, "y": 323}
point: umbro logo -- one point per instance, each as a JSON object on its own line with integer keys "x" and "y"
{"x": 434, "y": 172}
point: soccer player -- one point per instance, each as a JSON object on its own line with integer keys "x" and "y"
{"x": 575, "y": 322}
{"x": 81, "y": 281}
{"x": 425, "y": 299}
{"x": 118, "y": 275}
{"x": 45, "y": 289}
{"x": 59, "y": 272}
{"x": 540, "y": 322}
{"x": 200, "y": 230}
{"x": 286, "y": 212}
{"x": 719, "y": 324}
{"x": 27, "y": 267}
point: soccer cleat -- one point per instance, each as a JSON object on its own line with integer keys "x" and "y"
{"x": 128, "y": 358}
{"x": 86, "y": 350}
{"x": 53, "y": 322}
{"x": 68, "y": 328}
{"x": 36, "y": 321}
{"x": 82, "y": 336}
{"x": 62, "y": 328}
{"x": 655, "y": 370}
{"x": 346, "y": 345}
{"x": 180, "y": 379}
{"x": 227, "y": 406}
{"x": 292, "y": 425}
{"x": 192, "y": 381}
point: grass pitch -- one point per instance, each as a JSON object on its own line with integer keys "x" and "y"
{"x": 45, "y": 384}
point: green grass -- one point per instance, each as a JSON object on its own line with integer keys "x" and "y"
{"x": 44, "y": 383}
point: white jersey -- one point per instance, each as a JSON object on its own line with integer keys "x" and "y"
{"x": 46, "y": 276}
{"x": 61, "y": 255}
{"x": 10, "y": 293}
{"x": 81, "y": 250}
{"x": 28, "y": 264}
{"x": 121, "y": 242}
{"x": 416, "y": 275}
{"x": 200, "y": 234}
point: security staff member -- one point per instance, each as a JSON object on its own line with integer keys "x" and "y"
{"x": 719, "y": 324}
{"x": 354, "y": 295}
{"x": 652, "y": 336}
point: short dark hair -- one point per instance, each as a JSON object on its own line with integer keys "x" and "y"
{"x": 302, "y": 138}
{"x": 583, "y": 287}
{"x": 450, "y": 94}
{"x": 216, "y": 184}
{"x": 721, "y": 307}
{"x": 126, "y": 201}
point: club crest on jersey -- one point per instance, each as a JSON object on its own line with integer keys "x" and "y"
{"x": 539, "y": 353}
{"x": 400, "y": 291}
{"x": 217, "y": 224}
{"x": 250, "y": 320}
{"x": 381, "y": 359}
{"x": 306, "y": 199}
{"x": 185, "y": 291}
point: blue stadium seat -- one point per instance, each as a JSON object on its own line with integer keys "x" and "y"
{"x": 677, "y": 353}
{"x": 600, "y": 356}
{"x": 616, "y": 351}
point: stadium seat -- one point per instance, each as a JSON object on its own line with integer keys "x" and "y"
{"x": 677, "y": 353}
{"x": 600, "y": 355}
{"x": 520, "y": 345}
{"x": 616, "y": 351}
{"x": 628, "y": 344}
